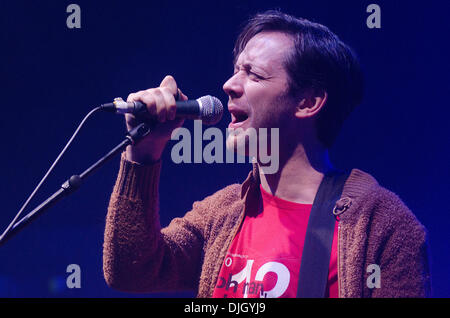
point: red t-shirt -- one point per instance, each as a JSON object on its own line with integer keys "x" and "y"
{"x": 264, "y": 258}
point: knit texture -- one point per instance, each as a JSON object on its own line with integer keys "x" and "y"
{"x": 139, "y": 256}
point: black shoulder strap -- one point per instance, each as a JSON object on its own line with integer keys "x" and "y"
{"x": 316, "y": 253}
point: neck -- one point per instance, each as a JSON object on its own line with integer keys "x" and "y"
{"x": 299, "y": 175}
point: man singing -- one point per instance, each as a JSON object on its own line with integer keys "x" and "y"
{"x": 247, "y": 240}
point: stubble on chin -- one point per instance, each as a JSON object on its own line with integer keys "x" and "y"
{"x": 242, "y": 142}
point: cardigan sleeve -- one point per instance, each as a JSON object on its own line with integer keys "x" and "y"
{"x": 139, "y": 256}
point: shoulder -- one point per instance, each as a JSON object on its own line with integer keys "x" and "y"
{"x": 206, "y": 212}
{"x": 380, "y": 204}
{"x": 220, "y": 207}
{"x": 221, "y": 198}
{"x": 219, "y": 212}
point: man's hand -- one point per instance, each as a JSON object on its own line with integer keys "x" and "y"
{"x": 161, "y": 106}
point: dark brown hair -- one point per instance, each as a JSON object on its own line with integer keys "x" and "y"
{"x": 319, "y": 60}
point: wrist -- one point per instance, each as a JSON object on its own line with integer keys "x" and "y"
{"x": 143, "y": 157}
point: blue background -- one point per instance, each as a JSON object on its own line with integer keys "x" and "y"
{"x": 51, "y": 76}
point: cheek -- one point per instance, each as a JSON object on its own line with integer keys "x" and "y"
{"x": 265, "y": 106}
{"x": 258, "y": 101}
{"x": 269, "y": 111}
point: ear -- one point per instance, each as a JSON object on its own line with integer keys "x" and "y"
{"x": 311, "y": 103}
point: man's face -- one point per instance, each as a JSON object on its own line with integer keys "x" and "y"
{"x": 258, "y": 89}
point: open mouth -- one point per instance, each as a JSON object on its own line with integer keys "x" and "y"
{"x": 238, "y": 117}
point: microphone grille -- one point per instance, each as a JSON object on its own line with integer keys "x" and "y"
{"x": 211, "y": 109}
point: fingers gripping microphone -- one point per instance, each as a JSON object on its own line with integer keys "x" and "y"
{"x": 207, "y": 108}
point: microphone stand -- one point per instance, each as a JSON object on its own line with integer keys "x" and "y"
{"x": 75, "y": 181}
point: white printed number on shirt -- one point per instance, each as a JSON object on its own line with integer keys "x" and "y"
{"x": 282, "y": 272}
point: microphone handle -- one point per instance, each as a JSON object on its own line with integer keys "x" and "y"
{"x": 189, "y": 109}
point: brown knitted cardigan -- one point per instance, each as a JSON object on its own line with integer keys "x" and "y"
{"x": 139, "y": 256}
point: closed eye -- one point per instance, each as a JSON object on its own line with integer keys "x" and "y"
{"x": 248, "y": 70}
{"x": 257, "y": 76}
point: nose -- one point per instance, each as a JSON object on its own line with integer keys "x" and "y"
{"x": 233, "y": 87}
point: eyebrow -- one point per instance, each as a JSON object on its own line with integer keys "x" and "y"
{"x": 250, "y": 66}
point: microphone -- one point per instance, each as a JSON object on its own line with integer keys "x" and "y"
{"x": 207, "y": 108}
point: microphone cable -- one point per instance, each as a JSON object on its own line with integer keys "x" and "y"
{"x": 49, "y": 171}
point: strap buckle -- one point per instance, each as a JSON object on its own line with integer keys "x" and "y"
{"x": 342, "y": 205}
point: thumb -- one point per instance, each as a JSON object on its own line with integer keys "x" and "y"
{"x": 170, "y": 83}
